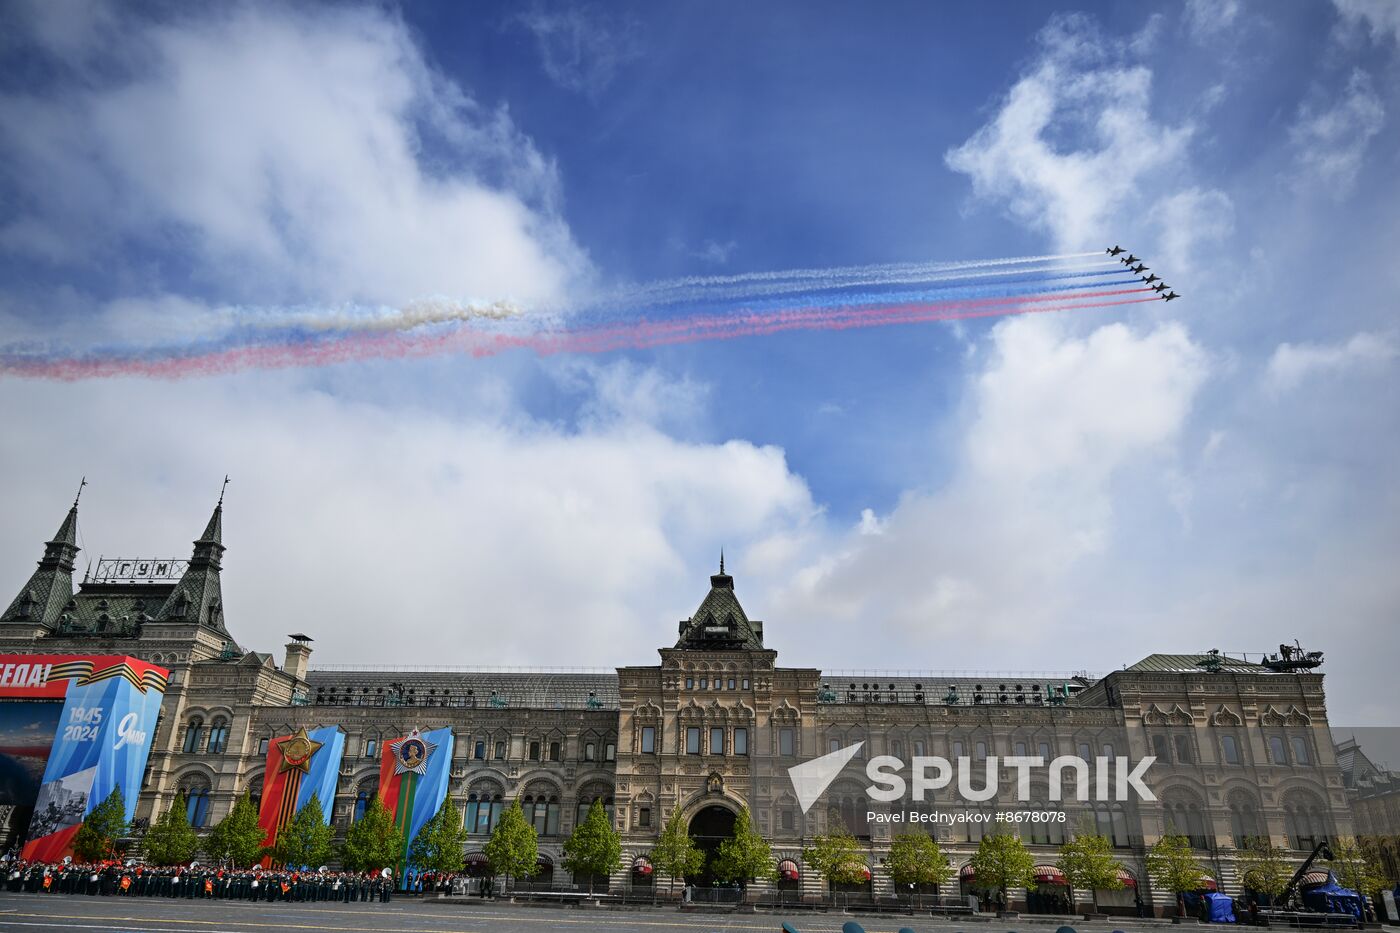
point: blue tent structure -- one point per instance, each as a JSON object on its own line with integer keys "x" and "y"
{"x": 1332, "y": 898}
{"x": 1220, "y": 908}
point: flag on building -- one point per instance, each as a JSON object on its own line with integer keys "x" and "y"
{"x": 299, "y": 765}
{"x": 413, "y": 776}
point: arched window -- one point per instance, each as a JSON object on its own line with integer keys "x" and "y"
{"x": 1304, "y": 821}
{"x": 1111, "y": 823}
{"x": 218, "y": 736}
{"x": 196, "y": 802}
{"x": 194, "y": 732}
{"x": 1184, "y": 815}
{"x": 586, "y": 798}
{"x": 363, "y": 797}
{"x": 1244, "y": 819}
{"x": 255, "y": 789}
{"x": 483, "y": 808}
{"x": 541, "y": 810}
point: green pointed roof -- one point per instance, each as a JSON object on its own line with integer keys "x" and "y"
{"x": 50, "y": 587}
{"x": 720, "y": 623}
{"x": 198, "y": 597}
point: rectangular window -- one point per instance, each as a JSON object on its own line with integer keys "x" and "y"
{"x": 787, "y": 820}
{"x": 1276, "y": 750}
{"x": 690, "y": 683}
{"x": 610, "y": 751}
{"x": 1183, "y": 749}
{"x": 479, "y": 751}
{"x": 554, "y": 751}
{"x": 717, "y": 740}
{"x": 692, "y": 740}
{"x": 590, "y": 751}
{"x": 534, "y": 751}
{"x": 1300, "y": 750}
{"x": 981, "y": 750}
{"x": 1085, "y": 752}
{"x": 746, "y": 683}
{"x": 897, "y": 748}
{"x": 704, "y": 683}
{"x": 1021, "y": 748}
{"x": 731, "y": 683}
{"x": 918, "y": 748}
{"x": 500, "y": 751}
{"x": 741, "y": 741}
{"x": 371, "y": 746}
{"x": 957, "y": 750}
{"x": 1045, "y": 751}
{"x": 834, "y": 745}
{"x": 1231, "y": 749}
{"x": 262, "y": 746}
{"x": 644, "y": 817}
{"x": 648, "y": 740}
{"x": 785, "y": 742}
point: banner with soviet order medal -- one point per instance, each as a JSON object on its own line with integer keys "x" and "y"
{"x": 299, "y": 765}
{"x": 103, "y": 736}
{"x": 413, "y": 778}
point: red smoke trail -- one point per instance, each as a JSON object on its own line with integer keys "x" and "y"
{"x": 642, "y": 335}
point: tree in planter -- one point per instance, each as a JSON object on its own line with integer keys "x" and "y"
{"x": 97, "y": 838}
{"x": 306, "y": 840}
{"x": 171, "y": 841}
{"x": 513, "y": 849}
{"x": 744, "y": 856}
{"x": 1087, "y": 863}
{"x": 675, "y": 853}
{"x": 594, "y": 848}
{"x": 1002, "y": 862}
{"x": 1265, "y": 867}
{"x": 372, "y": 842}
{"x": 1354, "y": 868}
{"x": 1172, "y": 866}
{"x": 836, "y": 856}
{"x": 915, "y": 859}
{"x": 237, "y": 838}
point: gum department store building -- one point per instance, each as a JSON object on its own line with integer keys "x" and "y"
{"x": 713, "y": 726}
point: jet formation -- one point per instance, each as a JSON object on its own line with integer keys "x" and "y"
{"x": 1137, "y": 268}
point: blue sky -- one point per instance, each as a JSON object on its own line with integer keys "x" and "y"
{"x": 1213, "y": 473}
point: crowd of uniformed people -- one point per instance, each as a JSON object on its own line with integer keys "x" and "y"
{"x": 115, "y": 879}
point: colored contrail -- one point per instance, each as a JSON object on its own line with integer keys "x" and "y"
{"x": 666, "y": 313}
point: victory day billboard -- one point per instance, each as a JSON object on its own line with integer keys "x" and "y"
{"x": 101, "y": 736}
{"x": 298, "y": 766}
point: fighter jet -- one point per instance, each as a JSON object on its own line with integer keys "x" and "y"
{"x": 1160, "y": 287}
{"x": 1139, "y": 268}
{"x": 1115, "y": 251}
{"x": 1169, "y": 296}
{"x": 1154, "y": 277}
{"x": 1129, "y": 261}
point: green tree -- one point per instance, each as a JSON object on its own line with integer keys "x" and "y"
{"x": 372, "y": 842}
{"x": 441, "y": 844}
{"x": 1354, "y": 869}
{"x": 306, "y": 840}
{"x": 237, "y": 838}
{"x": 836, "y": 856}
{"x": 513, "y": 849}
{"x": 172, "y": 841}
{"x": 915, "y": 859}
{"x": 744, "y": 856}
{"x": 1088, "y": 864}
{"x": 594, "y": 848}
{"x": 1173, "y": 867}
{"x": 1265, "y": 867}
{"x": 1002, "y": 862}
{"x": 676, "y": 854}
{"x": 97, "y": 838}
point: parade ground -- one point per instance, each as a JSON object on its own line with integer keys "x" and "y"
{"x": 141, "y": 915}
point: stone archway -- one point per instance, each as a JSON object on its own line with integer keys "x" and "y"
{"x": 709, "y": 827}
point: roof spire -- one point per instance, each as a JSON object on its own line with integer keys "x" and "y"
{"x": 221, "y": 491}
{"x": 721, "y": 560}
{"x": 80, "y": 492}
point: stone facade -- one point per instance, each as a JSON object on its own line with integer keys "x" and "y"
{"x": 712, "y": 727}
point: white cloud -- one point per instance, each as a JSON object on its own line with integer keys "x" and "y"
{"x": 285, "y": 154}
{"x": 1331, "y": 139}
{"x": 1075, "y": 148}
{"x": 1380, "y": 17}
{"x": 1292, "y": 364}
{"x": 1053, "y": 422}
{"x": 1209, "y": 18}
{"x": 394, "y": 534}
{"x": 581, "y": 48}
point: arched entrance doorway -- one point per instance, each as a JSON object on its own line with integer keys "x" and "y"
{"x": 709, "y": 828}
